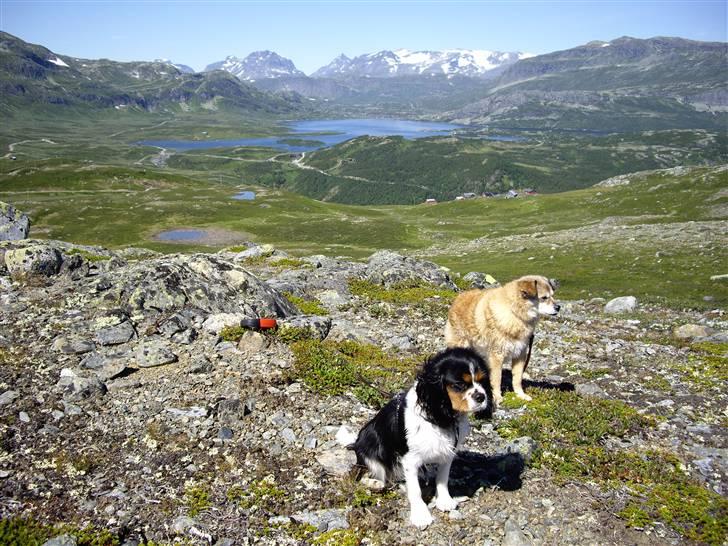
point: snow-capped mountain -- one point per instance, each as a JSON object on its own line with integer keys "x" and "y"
{"x": 181, "y": 67}
{"x": 403, "y": 62}
{"x": 257, "y": 66}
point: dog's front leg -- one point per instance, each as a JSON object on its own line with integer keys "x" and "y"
{"x": 517, "y": 369}
{"x": 444, "y": 501}
{"x": 495, "y": 366}
{"x": 419, "y": 514}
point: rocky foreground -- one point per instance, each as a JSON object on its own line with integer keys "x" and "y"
{"x": 126, "y": 403}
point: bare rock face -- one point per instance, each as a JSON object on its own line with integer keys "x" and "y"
{"x": 391, "y": 269}
{"x": 14, "y": 224}
{"x": 201, "y": 281}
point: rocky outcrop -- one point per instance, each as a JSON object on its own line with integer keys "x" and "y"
{"x": 390, "y": 269}
{"x": 121, "y": 404}
{"x": 14, "y": 224}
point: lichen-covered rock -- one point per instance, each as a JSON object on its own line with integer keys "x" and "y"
{"x": 35, "y": 260}
{"x": 205, "y": 282}
{"x": 75, "y": 386}
{"x": 481, "y": 280}
{"x": 390, "y": 269}
{"x": 690, "y": 331}
{"x": 14, "y": 225}
{"x": 317, "y": 326}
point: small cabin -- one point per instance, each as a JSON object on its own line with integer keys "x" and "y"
{"x": 430, "y": 201}
{"x": 510, "y": 194}
{"x": 469, "y": 195}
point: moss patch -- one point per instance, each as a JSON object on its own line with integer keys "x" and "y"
{"x": 333, "y": 368}
{"x": 263, "y": 493}
{"x": 307, "y": 307}
{"x": 409, "y": 292}
{"x": 338, "y": 537}
{"x": 197, "y": 499}
{"x": 232, "y": 333}
{"x": 28, "y": 532}
{"x": 570, "y": 430}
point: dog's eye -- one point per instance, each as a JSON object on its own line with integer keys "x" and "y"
{"x": 459, "y": 386}
{"x": 544, "y": 298}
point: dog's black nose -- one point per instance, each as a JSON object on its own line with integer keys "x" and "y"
{"x": 557, "y": 307}
{"x": 478, "y": 397}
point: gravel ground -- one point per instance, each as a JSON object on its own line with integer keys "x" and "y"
{"x": 121, "y": 406}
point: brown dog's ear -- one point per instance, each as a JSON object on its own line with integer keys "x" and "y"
{"x": 528, "y": 289}
{"x": 554, "y": 284}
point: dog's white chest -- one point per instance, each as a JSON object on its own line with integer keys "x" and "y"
{"x": 429, "y": 442}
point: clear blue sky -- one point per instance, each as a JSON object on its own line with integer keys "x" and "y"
{"x": 311, "y": 34}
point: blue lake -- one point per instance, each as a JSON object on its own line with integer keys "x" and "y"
{"x": 320, "y": 133}
{"x": 181, "y": 235}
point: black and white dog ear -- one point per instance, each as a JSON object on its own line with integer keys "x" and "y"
{"x": 554, "y": 284}
{"x": 431, "y": 389}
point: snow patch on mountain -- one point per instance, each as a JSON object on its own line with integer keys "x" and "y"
{"x": 257, "y": 66}
{"x": 405, "y": 62}
{"x": 58, "y": 62}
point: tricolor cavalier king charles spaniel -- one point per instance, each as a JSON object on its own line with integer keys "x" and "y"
{"x": 426, "y": 424}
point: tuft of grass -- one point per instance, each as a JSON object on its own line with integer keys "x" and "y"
{"x": 28, "y": 532}
{"x": 557, "y": 417}
{"x": 263, "y": 493}
{"x": 307, "y": 307}
{"x": 197, "y": 499}
{"x": 338, "y": 537}
{"x": 706, "y": 367}
{"x": 232, "y": 333}
{"x": 294, "y": 263}
{"x": 594, "y": 373}
{"x": 569, "y": 430}
{"x": 23, "y": 532}
{"x": 409, "y": 292}
{"x": 333, "y": 368}
{"x": 88, "y": 256}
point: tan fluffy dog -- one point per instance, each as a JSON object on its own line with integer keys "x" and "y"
{"x": 499, "y": 323}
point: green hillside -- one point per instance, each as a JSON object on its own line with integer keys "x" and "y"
{"x": 445, "y": 168}
{"x": 660, "y": 235}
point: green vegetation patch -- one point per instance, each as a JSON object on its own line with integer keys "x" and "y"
{"x": 407, "y": 292}
{"x": 569, "y": 430}
{"x": 264, "y": 494}
{"x": 564, "y": 418}
{"x": 232, "y": 333}
{"x": 307, "y": 307}
{"x": 338, "y": 537}
{"x": 706, "y": 367}
{"x": 197, "y": 499}
{"x": 336, "y": 367}
{"x": 28, "y": 532}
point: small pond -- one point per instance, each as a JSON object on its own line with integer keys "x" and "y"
{"x": 244, "y": 196}
{"x": 187, "y": 235}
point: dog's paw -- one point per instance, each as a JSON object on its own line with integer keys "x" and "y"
{"x": 497, "y": 400}
{"x": 524, "y": 396}
{"x": 445, "y": 504}
{"x": 421, "y": 517}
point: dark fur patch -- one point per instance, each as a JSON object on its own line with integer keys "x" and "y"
{"x": 384, "y": 439}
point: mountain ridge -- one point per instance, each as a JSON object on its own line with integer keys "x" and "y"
{"x": 33, "y": 74}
